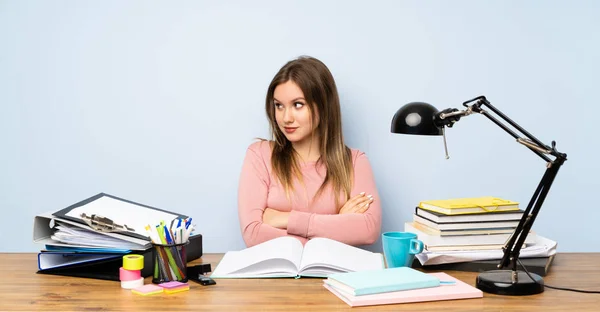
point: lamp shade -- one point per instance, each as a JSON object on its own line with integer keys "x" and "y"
{"x": 416, "y": 118}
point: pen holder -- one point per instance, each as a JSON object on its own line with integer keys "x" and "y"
{"x": 169, "y": 263}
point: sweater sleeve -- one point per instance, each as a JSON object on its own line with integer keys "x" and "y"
{"x": 252, "y": 201}
{"x": 350, "y": 228}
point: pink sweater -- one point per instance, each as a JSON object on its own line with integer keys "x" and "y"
{"x": 259, "y": 189}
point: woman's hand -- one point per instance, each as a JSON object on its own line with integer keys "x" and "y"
{"x": 357, "y": 204}
{"x": 276, "y": 218}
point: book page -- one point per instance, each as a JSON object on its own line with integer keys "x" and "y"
{"x": 277, "y": 257}
{"x": 327, "y": 255}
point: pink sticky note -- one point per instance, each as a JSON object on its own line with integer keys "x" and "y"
{"x": 173, "y": 284}
{"x": 148, "y": 289}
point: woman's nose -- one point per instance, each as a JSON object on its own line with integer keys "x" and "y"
{"x": 288, "y": 116}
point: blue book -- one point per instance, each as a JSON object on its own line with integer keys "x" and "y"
{"x": 381, "y": 281}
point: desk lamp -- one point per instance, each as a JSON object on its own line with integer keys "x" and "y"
{"x": 424, "y": 119}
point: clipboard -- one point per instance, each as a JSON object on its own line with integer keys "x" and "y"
{"x": 44, "y": 225}
{"x": 122, "y": 212}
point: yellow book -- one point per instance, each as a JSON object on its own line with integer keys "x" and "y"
{"x": 459, "y": 206}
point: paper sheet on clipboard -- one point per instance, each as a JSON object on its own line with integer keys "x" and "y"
{"x": 45, "y": 224}
{"x": 120, "y": 211}
{"x": 75, "y": 236}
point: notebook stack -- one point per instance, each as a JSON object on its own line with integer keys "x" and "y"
{"x": 468, "y": 234}
{"x": 483, "y": 223}
{"x": 397, "y": 285}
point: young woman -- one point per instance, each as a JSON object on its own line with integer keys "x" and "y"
{"x": 305, "y": 182}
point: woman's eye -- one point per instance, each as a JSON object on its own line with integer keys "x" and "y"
{"x": 298, "y": 104}
{"x": 278, "y": 106}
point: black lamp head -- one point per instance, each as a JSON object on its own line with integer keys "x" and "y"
{"x": 416, "y": 118}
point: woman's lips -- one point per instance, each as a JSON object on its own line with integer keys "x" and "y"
{"x": 289, "y": 129}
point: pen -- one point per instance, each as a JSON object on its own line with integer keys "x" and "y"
{"x": 164, "y": 265}
{"x": 176, "y": 255}
{"x": 161, "y": 235}
{"x": 167, "y": 251}
{"x": 165, "y": 254}
{"x": 188, "y": 230}
{"x": 172, "y": 224}
{"x": 168, "y": 236}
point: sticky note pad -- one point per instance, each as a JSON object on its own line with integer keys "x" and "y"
{"x": 173, "y": 287}
{"x": 147, "y": 290}
{"x": 173, "y": 284}
{"x": 176, "y": 290}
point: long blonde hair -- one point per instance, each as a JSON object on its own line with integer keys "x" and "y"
{"x": 320, "y": 92}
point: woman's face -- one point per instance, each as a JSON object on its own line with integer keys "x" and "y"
{"x": 292, "y": 113}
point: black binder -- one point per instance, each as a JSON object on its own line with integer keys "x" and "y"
{"x": 108, "y": 269}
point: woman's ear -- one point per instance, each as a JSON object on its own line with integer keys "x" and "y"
{"x": 315, "y": 119}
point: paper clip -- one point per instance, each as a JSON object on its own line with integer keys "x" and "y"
{"x": 103, "y": 224}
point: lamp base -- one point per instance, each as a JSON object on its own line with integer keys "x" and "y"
{"x": 500, "y": 282}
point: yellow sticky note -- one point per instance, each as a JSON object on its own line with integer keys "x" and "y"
{"x": 147, "y": 290}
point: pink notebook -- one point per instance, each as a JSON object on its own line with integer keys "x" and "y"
{"x": 459, "y": 290}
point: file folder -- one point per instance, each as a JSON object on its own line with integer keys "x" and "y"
{"x": 83, "y": 258}
{"x": 108, "y": 268}
{"x": 57, "y": 259}
{"x": 109, "y": 206}
{"x": 119, "y": 210}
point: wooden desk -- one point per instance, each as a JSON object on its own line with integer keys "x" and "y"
{"x": 22, "y": 289}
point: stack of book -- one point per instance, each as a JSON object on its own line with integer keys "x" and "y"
{"x": 397, "y": 285}
{"x": 482, "y": 223}
{"x": 475, "y": 225}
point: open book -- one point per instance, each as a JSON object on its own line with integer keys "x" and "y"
{"x": 286, "y": 257}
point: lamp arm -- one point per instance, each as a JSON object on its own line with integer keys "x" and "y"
{"x": 513, "y": 246}
{"x": 515, "y": 242}
{"x": 533, "y": 144}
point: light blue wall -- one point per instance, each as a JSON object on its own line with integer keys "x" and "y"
{"x": 156, "y": 102}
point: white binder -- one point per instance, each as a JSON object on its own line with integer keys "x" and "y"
{"x": 119, "y": 210}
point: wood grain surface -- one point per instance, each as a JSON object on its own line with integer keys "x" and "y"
{"x": 24, "y": 290}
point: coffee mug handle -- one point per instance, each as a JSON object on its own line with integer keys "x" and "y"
{"x": 416, "y": 246}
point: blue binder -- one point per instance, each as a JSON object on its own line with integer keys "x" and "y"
{"x": 106, "y": 266}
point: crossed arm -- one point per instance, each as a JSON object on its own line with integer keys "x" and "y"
{"x": 358, "y": 222}
{"x": 279, "y": 219}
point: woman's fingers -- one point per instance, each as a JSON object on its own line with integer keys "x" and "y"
{"x": 361, "y": 199}
{"x": 356, "y": 199}
{"x": 352, "y": 202}
{"x": 357, "y": 204}
{"x": 363, "y": 205}
{"x": 363, "y": 208}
